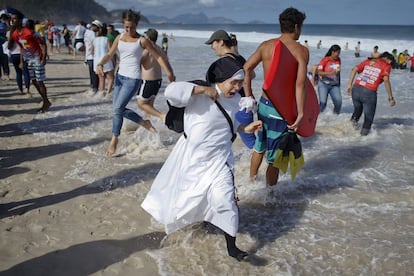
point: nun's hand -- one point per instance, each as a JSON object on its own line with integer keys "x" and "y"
{"x": 211, "y": 92}
{"x": 253, "y": 127}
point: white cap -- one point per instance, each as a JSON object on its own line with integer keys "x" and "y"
{"x": 97, "y": 23}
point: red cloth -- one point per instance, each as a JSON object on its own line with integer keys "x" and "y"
{"x": 29, "y": 42}
{"x": 373, "y": 73}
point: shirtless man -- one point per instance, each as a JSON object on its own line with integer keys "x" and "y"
{"x": 151, "y": 77}
{"x": 291, "y": 21}
{"x": 375, "y": 53}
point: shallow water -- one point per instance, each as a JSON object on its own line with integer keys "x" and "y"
{"x": 348, "y": 212}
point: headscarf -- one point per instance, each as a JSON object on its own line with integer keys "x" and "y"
{"x": 223, "y": 69}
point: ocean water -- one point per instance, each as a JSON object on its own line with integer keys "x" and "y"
{"x": 348, "y": 212}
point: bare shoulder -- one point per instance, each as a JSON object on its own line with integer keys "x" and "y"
{"x": 265, "y": 49}
{"x": 300, "y": 52}
{"x": 267, "y": 45}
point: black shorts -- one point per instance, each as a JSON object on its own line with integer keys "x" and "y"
{"x": 149, "y": 89}
{"x": 76, "y": 41}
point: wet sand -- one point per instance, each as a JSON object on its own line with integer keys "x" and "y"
{"x": 53, "y": 224}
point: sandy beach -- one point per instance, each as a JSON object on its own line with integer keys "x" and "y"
{"x": 52, "y": 224}
{"x": 66, "y": 209}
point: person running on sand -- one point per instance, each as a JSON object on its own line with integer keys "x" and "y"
{"x": 274, "y": 126}
{"x": 130, "y": 46}
{"x": 151, "y": 77}
{"x": 34, "y": 52}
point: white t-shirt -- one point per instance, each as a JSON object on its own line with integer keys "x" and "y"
{"x": 80, "y": 31}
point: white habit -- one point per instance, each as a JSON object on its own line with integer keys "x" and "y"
{"x": 196, "y": 181}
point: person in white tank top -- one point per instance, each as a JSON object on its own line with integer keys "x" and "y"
{"x": 128, "y": 79}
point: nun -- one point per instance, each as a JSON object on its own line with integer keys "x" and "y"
{"x": 196, "y": 182}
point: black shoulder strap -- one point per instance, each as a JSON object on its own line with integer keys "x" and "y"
{"x": 228, "y": 120}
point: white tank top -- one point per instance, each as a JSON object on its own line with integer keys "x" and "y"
{"x": 130, "y": 54}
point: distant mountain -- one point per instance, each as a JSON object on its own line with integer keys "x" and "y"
{"x": 189, "y": 18}
{"x": 256, "y": 22}
{"x": 70, "y": 12}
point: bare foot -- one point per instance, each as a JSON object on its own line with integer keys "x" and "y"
{"x": 45, "y": 107}
{"x": 147, "y": 125}
{"x": 163, "y": 117}
{"x": 112, "y": 146}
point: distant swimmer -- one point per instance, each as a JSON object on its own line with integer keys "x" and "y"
{"x": 319, "y": 44}
{"x": 346, "y": 46}
{"x": 375, "y": 53}
{"x": 164, "y": 43}
{"x": 172, "y": 37}
{"x": 358, "y": 49}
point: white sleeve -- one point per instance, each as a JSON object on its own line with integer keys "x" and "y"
{"x": 179, "y": 93}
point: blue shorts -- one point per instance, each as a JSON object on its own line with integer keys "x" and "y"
{"x": 273, "y": 129}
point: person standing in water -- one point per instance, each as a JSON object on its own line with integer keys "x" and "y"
{"x": 130, "y": 46}
{"x": 196, "y": 182}
{"x": 329, "y": 71}
{"x": 274, "y": 126}
{"x": 151, "y": 77}
{"x": 372, "y": 72}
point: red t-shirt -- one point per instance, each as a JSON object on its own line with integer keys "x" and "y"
{"x": 373, "y": 73}
{"x": 29, "y": 41}
{"x": 327, "y": 64}
{"x": 411, "y": 59}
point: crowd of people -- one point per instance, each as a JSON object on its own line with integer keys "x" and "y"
{"x": 370, "y": 73}
{"x": 128, "y": 64}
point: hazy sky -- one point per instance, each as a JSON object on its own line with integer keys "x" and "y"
{"x": 384, "y": 12}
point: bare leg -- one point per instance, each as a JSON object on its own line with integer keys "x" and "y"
{"x": 272, "y": 175}
{"x": 110, "y": 77}
{"x": 147, "y": 125}
{"x": 112, "y": 146}
{"x": 101, "y": 86}
{"x": 28, "y": 92}
{"x": 41, "y": 88}
{"x": 255, "y": 162}
{"x": 148, "y": 107}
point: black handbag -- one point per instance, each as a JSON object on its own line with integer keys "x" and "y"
{"x": 174, "y": 119}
